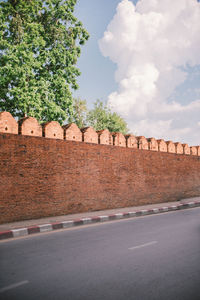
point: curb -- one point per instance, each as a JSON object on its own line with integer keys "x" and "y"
{"x": 78, "y": 222}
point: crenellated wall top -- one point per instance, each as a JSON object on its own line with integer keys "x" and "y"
{"x": 30, "y": 126}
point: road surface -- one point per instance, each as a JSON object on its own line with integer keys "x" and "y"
{"x": 145, "y": 258}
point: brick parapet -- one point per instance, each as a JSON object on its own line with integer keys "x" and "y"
{"x": 142, "y": 143}
{"x": 179, "y": 148}
{"x": 131, "y": 141}
{"x": 119, "y": 139}
{"x": 104, "y": 137}
{"x": 53, "y": 130}
{"x": 72, "y": 132}
{"x": 153, "y": 144}
{"x": 170, "y": 147}
{"x": 29, "y": 126}
{"x": 162, "y": 145}
{"x": 7, "y": 123}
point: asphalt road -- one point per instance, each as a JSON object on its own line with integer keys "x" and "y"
{"x": 152, "y": 257}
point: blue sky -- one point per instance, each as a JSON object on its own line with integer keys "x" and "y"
{"x": 156, "y": 89}
{"x": 97, "y": 79}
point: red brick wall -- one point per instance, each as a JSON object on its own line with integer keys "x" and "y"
{"x": 7, "y": 123}
{"x": 53, "y": 130}
{"x": 30, "y": 126}
{"x": 43, "y": 177}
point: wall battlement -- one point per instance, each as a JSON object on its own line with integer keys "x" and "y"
{"x": 30, "y": 126}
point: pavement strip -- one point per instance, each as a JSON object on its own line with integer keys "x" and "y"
{"x": 143, "y": 245}
{"x": 13, "y": 286}
{"x": 42, "y": 228}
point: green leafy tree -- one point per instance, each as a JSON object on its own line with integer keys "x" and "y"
{"x": 79, "y": 115}
{"x": 39, "y": 46}
{"x": 101, "y": 117}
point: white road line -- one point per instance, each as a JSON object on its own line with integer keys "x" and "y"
{"x": 13, "y": 286}
{"x": 144, "y": 245}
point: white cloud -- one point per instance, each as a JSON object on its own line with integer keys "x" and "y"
{"x": 150, "y": 42}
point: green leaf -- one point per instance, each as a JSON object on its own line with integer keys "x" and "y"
{"x": 38, "y": 52}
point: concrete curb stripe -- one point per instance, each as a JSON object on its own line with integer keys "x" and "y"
{"x": 20, "y": 232}
{"x": 56, "y": 226}
{"x": 104, "y": 218}
{"x": 119, "y": 216}
{"x": 78, "y": 222}
{"x": 87, "y": 220}
{"x": 95, "y": 219}
{"x": 164, "y": 209}
{"x": 132, "y": 214}
{"x": 126, "y": 215}
{"x": 173, "y": 207}
{"x": 6, "y": 235}
{"x": 45, "y": 227}
{"x": 67, "y": 224}
{"x": 33, "y": 229}
{"x": 112, "y": 217}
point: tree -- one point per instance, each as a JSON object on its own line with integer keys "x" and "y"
{"x": 39, "y": 46}
{"x": 79, "y": 115}
{"x": 101, "y": 117}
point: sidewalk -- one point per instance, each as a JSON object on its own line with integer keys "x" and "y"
{"x": 22, "y": 228}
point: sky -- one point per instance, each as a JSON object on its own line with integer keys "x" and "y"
{"x": 143, "y": 60}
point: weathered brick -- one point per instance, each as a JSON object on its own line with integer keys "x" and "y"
{"x": 179, "y": 148}
{"x": 131, "y": 141}
{"x": 193, "y": 150}
{"x": 43, "y": 177}
{"x": 7, "y": 123}
{"x": 119, "y": 139}
{"x": 30, "y": 126}
{"x": 53, "y": 130}
{"x": 104, "y": 137}
{"x": 171, "y": 147}
{"x": 162, "y": 146}
{"x": 198, "y": 150}
{"x": 142, "y": 143}
{"x": 186, "y": 149}
{"x": 89, "y": 135}
{"x": 72, "y": 132}
{"x": 153, "y": 144}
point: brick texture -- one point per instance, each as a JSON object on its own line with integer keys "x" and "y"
{"x": 45, "y": 177}
{"x": 186, "y": 149}
{"x": 53, "y": 130}
{"x": 193, "y": 150}
{"x": 7, "y": 123}
{"x": 89, "y": 135}
{"x": 72, "y": 132}
{"x": 131, "y": 141}
{"x": 162, "y": 145}
{"x": 104, "y": 137}
{"x": 198, "y": 150}
{"x": 171, "y": 147}
{"x": 179, "y": 148}
{"x": 142, "y": 143}
{"x": 153, "y": 144}
{"x": 119, "y": 139}
{"x": 30, "y": 126}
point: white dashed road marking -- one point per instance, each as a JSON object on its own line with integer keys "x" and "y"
{"x": 144, "y": 245}
{"x": 13, "y": 286}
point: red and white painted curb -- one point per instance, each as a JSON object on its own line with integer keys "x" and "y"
{"x": 67, "y": 224}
